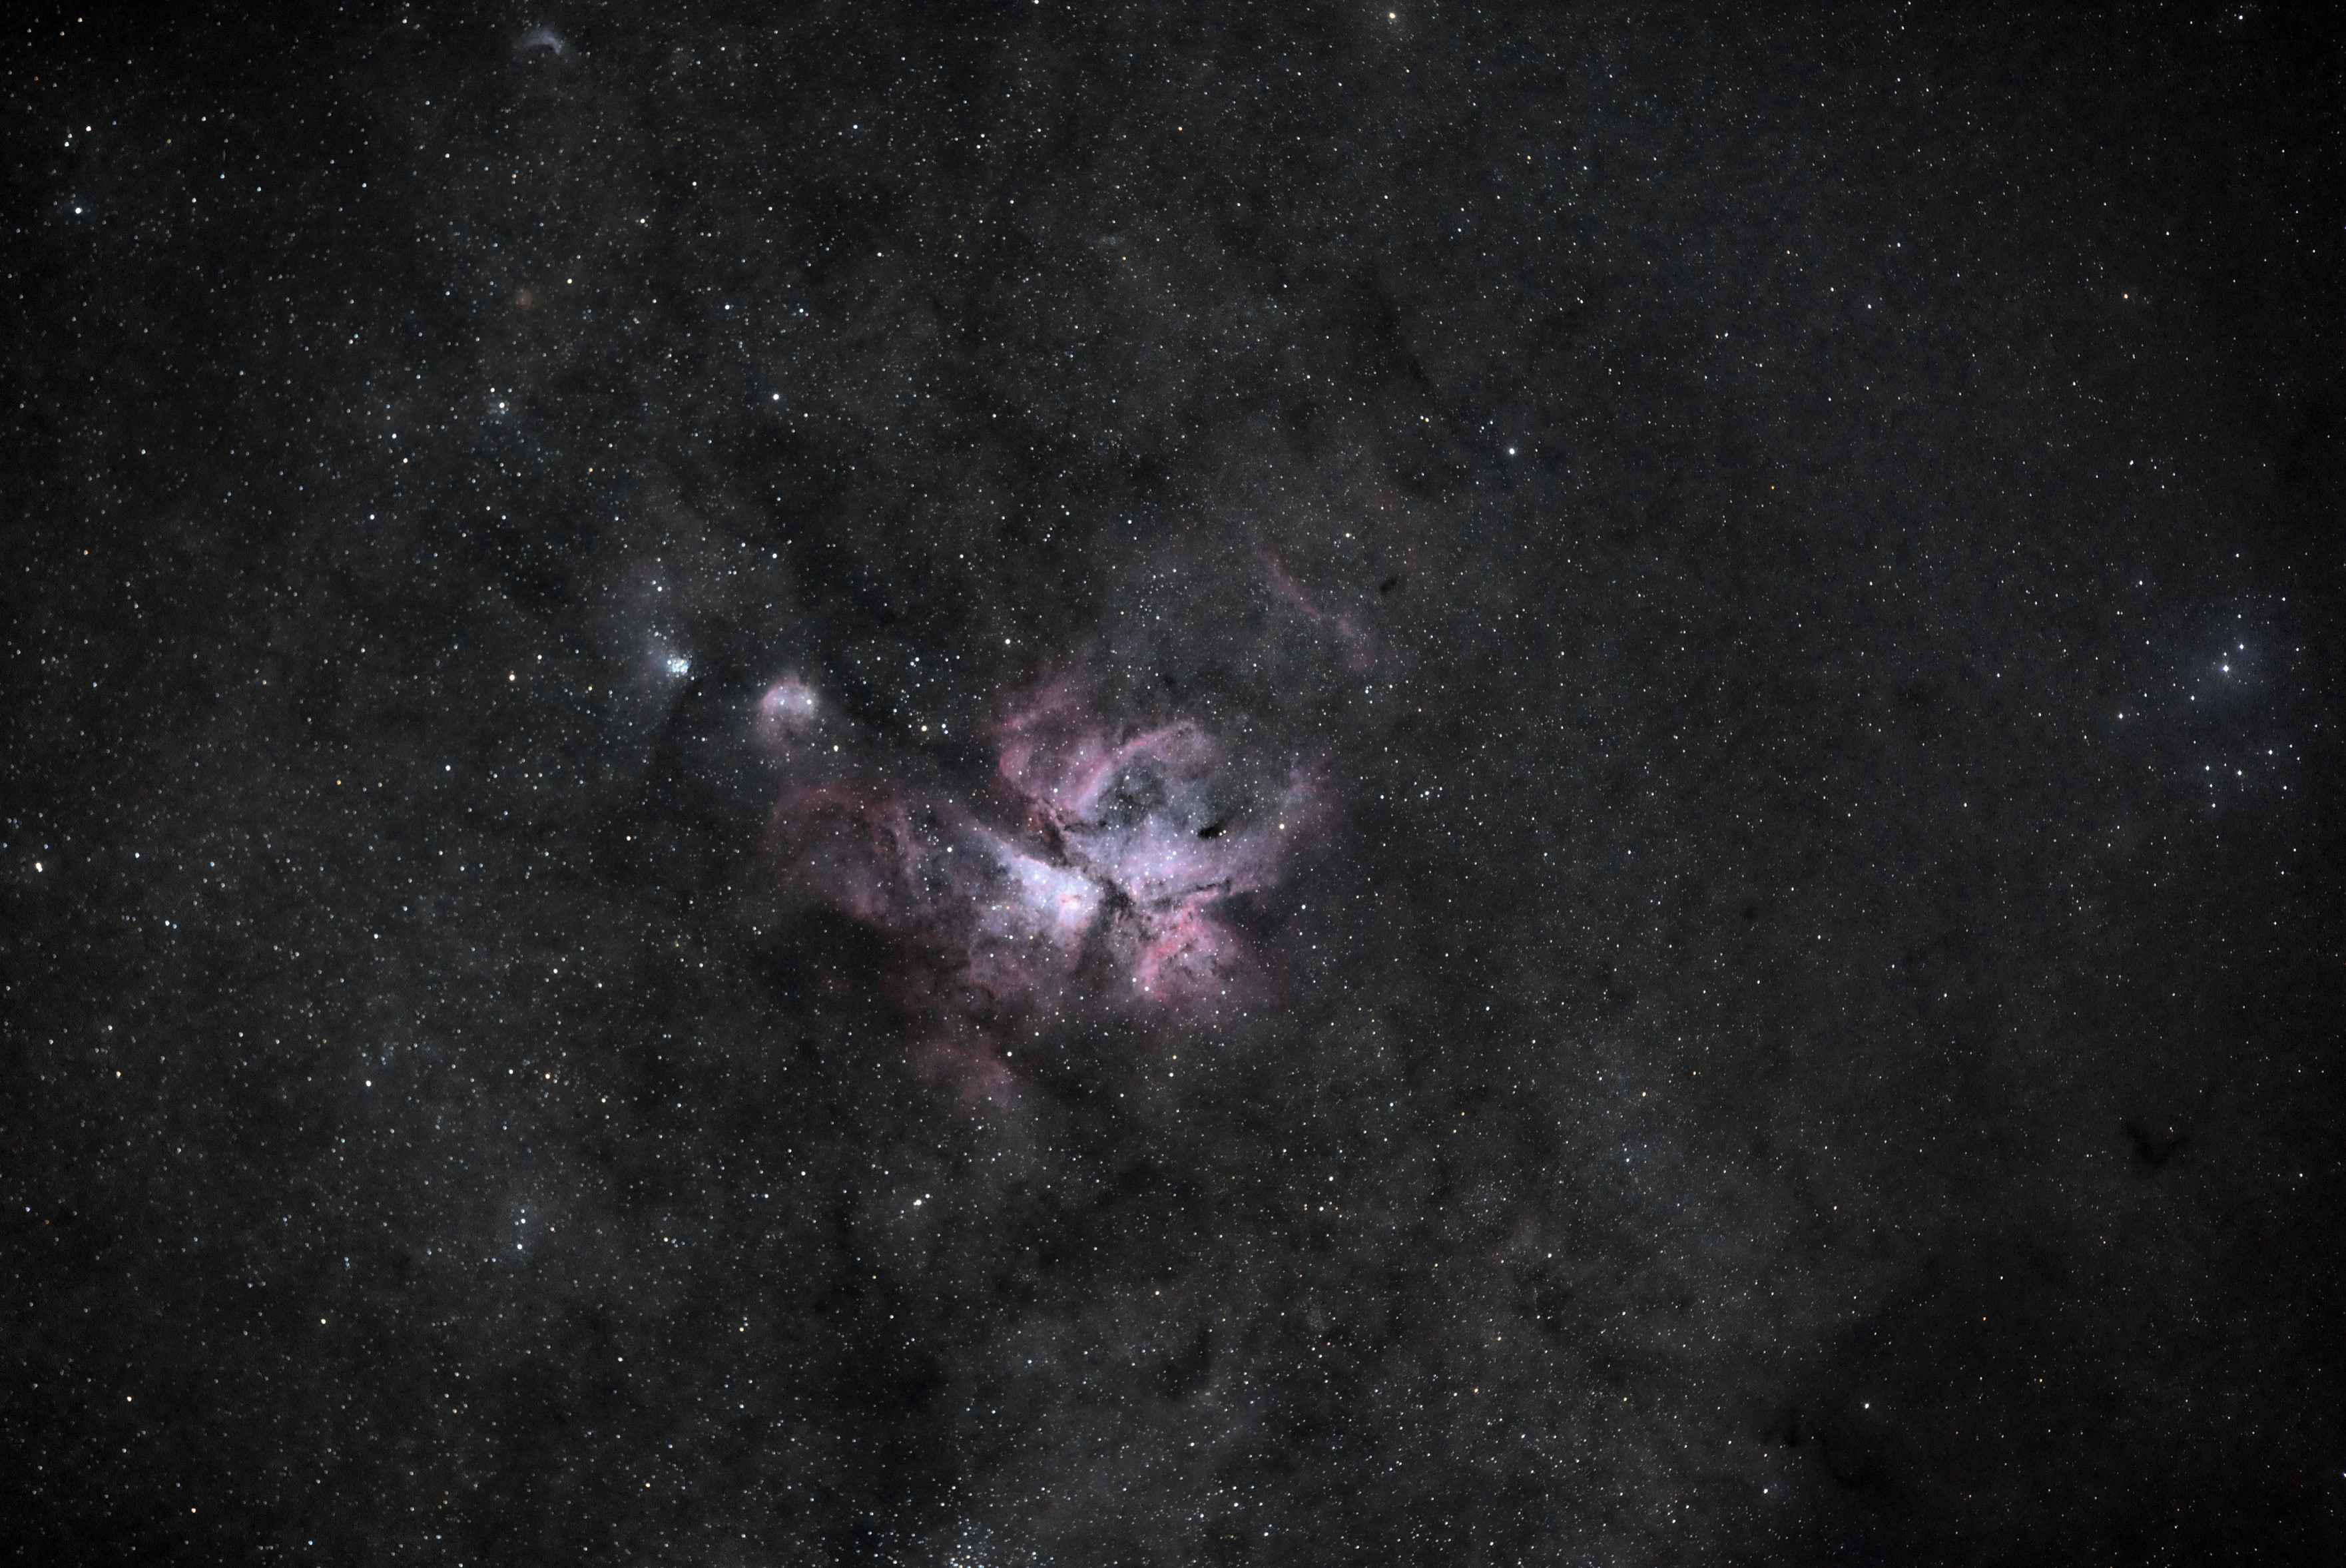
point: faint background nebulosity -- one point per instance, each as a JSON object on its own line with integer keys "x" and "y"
{"x": 1021, "y": 784}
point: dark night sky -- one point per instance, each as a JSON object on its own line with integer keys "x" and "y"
{"x": 1678, "y": 684}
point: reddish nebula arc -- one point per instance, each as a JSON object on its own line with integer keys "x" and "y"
{"x": 1112, "y": 889}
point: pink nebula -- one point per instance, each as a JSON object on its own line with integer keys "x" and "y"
{"x": 1110, "y": 887}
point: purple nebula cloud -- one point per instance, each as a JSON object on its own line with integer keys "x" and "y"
{"x": 1097, "y": 871}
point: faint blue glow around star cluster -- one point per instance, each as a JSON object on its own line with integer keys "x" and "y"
{"x": 667, "y": 660}
{"x": 2236, "y": 666}
{"x": 2226, "y": 683}
{"x": 2233, "y": 680}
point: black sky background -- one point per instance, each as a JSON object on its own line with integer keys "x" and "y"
{"x": 1810, "y": 1035}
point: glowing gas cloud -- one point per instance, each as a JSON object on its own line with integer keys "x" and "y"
{"x": 1096, "y": 868}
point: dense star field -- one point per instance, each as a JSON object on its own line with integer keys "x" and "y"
{"x": 1016, "y": 784}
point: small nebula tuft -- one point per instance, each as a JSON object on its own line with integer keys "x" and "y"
{"x": 790, "y": 707}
